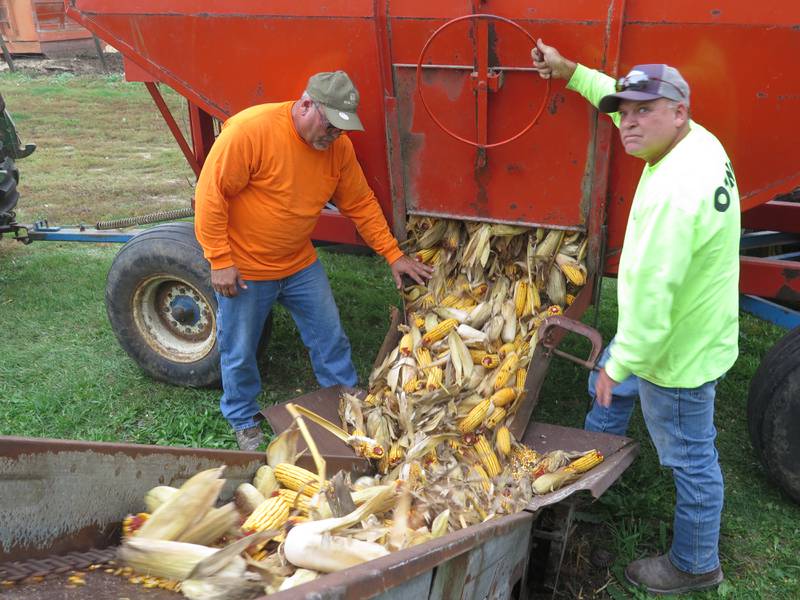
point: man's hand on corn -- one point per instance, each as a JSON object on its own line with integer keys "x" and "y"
{"x": 418, "y": 271}
{"x": 227, "y": 281}
{"x": 549, "y": 63}
{"x": 603, "y": 387}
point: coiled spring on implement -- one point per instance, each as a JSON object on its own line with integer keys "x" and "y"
{"x": 167, "y": 215}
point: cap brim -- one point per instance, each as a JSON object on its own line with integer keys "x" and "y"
{"x": 340, "y": 119}
{"x": 610, "y": 103}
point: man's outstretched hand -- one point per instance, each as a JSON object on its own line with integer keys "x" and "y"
{"x": 549, "y": 62}
{"x": 418, "y": 271}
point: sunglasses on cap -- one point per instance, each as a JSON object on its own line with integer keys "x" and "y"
{"x": 638, "y": 81}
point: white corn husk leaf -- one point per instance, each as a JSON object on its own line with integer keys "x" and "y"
{"x": 157, "y": 496}
{"x": 185, "y": 508}
{"x": 479, "y": 315}
{"x": 171, "y": 559}
{"x": 222, "y": 588}
{"x": 509, "y": 314}
{"x": 470, "y": 335}
{"x": 300, "y": 577}
{"x": 556, "y": 286}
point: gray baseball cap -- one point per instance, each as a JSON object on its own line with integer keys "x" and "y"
{"x": 337, "y": 95}
{"x": 647, "y": 82}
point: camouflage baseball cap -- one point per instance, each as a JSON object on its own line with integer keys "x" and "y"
{"x": 337, "y": 95}
{"x": 647, "y": 82}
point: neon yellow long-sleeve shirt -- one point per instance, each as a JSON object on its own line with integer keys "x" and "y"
{"x": 678, "y": 288}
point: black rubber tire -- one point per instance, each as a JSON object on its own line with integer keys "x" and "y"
{"x": 780, "y": 429}
{"x": 152, "y": 273}
{"x": 769, "y": 377}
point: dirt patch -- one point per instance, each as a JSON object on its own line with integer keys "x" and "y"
{"x": 34, "y": 65}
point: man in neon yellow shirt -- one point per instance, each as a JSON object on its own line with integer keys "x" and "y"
{"x": 677, "y": 331}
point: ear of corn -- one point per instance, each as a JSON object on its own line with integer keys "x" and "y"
{"x": 475, "y": 417}
{"x": 439, "y": 332}
{"x": 270, "y": 514}
{"x": 265, "y": 481}
{"x": 295, "y": 500}
{"x": 434, "y": 381}
{"x": 504, "y": 371}
{"x": 297, "y": 479}
{"x": 588, "y": 461}
{"x": 247, "y": 498}
{"x": 497, "y": 416}
{"x": 490, "y": 361}
{"x": 503, "y": 441}
{"x": 157, "y": 496}
{"x": 487, "y": 456}
{"x": 216, "y": 523}
{"x": 503, "y": 396}
{"x": 506, "y": 349}
{"x": 171, "y": 559}
{"x": 193, "y": 500}
{"x": 423, "y": 356}
{"x": 406, "y": 344}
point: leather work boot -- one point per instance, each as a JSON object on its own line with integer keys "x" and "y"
{"x": 250, "y": 439}
{"x": 659, "y": 576}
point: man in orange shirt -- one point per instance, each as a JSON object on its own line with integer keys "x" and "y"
{"x": 268, "y": 176}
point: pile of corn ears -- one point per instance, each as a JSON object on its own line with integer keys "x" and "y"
{"x": 434, "y": 420}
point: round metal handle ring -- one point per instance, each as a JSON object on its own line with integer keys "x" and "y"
{"x": 425, "y": 104}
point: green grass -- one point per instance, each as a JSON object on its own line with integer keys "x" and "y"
{"x": 63, "y": 375}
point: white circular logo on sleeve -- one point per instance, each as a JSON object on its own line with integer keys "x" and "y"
{"x": 344, "y": 115}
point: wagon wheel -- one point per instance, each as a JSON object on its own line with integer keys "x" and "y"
{"x": 483, "y": 77}
{"x": 773, "y": 411}
{"x": 162, "y": 308}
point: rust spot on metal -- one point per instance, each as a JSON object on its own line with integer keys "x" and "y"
{"x": 555, "y": 100}
{"x": 715, "y": 12}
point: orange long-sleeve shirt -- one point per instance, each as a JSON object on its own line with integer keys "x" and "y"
{"x": 261, "y": 191}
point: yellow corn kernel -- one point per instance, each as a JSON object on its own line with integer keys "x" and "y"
{"x": 498, "y": 414}
{"x": 503, "y": 396}
{"x": 487, "y": 456}
{"x": 504, "y": 371}
{"x": 503, "y": 441}
{"x": 434, "y": 381}
{"x": 270, "y": 514}
{"x": 570, "y": 299}
{"x": 297, "y": 478}
{"x": 438, "y": 332}
{"x": 490, "y": 361}
{"x": 475, "y": 417}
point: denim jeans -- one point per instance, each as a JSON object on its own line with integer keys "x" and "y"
{"x": 240, "y": 320}
{"x": 681, "y": 424}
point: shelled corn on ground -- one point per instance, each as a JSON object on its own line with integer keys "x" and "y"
{"x": 434, "y": 422}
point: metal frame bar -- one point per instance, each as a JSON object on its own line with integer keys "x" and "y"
{"x": 173, "y": 126}
{"x": 782, "y": 316}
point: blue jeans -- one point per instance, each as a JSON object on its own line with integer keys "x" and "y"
{"x": 240, "y": 320}
{"x": 681, "y": 424}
